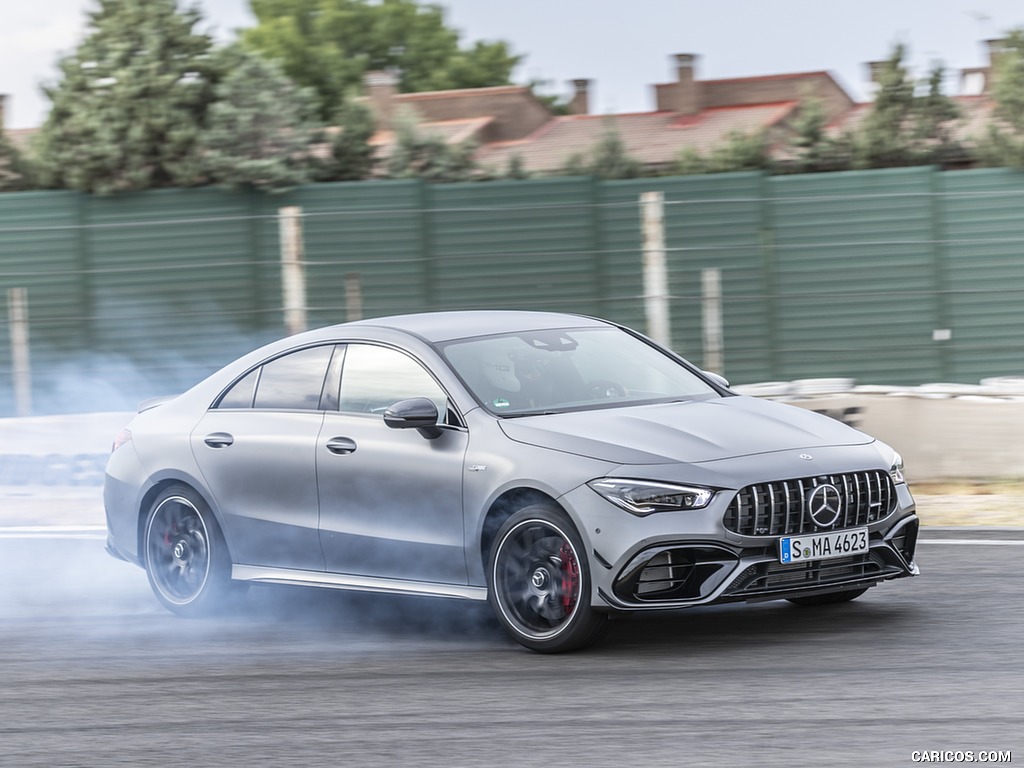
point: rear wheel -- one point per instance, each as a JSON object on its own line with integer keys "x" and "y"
{"x": 830, "y": 598}
{"x": 539, "y": 582}
{"x": 185, "y": 557}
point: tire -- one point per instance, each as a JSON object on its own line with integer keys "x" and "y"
{"x": 184, "y": 554}
{"x": 539, "y": 582}
{"x": 828, "y": 599}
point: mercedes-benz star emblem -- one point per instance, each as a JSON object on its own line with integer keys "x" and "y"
{"x": 824, "y": 503}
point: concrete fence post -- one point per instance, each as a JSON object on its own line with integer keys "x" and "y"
{"x": 17, "y": 311}
{"x": 293, "y": 271}
{"x": 711, "y": 305}
{"x": 353, "y": 297}
{"x": 656, "y": 295}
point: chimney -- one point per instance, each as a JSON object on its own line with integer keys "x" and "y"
{"x": 996, "y": 48}
{"x": 580, "y": 104}
{"x": 684, "y": 94}
{"x": 381, "y": 88}
{"x": 687, "y": 89}
{"x": 875, "y": 71}
{"x": 975, "y": 81}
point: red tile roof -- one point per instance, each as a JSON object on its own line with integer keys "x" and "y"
{"x": 653, "y": 138}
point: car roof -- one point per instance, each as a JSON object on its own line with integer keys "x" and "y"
{"x": 445, "y": 326}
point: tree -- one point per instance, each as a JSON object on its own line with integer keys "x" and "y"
{"x": 609, "y": 159}
{"x": 428, "y": 156}
{"x": 327, "y": 45}
{"x": 812, "y": 148}
{"x": 937, "y": 115}
{"x": 1004, "y": 143}
{"x": 352, "y": 155}
{"x": 516, "y": 168}
{"x": 131, "y": 102}
{"x": 903, "y": 127}
{"x": 258, "y": 131}
{"x": 13, "y": 170}
{"x": 739, "y": 152}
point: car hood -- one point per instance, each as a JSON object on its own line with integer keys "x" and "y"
{"x": 692, "y": 431}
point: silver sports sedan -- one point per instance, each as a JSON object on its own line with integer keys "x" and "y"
{"x": 564, "y": 468}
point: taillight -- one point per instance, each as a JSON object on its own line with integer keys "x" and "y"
{"x": 121, "y": 438}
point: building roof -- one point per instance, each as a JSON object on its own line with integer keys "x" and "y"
{"x": 653, "y": 138}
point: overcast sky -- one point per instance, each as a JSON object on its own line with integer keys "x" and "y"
{"x": 622, "y": 45}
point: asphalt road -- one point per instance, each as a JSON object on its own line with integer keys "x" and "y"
{"x": 94, "y": 673}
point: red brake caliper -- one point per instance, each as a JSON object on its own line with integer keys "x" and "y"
{"x": 570, "y": 577}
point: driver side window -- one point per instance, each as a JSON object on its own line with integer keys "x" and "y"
{"x": 374, "y": 378}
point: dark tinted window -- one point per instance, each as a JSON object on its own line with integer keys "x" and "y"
{"x": 295, "y": 380}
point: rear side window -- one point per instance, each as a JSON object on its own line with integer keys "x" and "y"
{"x": 290, "y": 382}
{"x": 242, "y": 393}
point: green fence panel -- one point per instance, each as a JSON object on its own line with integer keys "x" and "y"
{"x": 370, "y": 232}
{"x": 40, "y": 251}
{"x": 513, "y": 245}
{"x": 710, "y": 222}
{"x": 176, "y": 290}
{"x": 854, "y": 281}
{"x": 900, "y": 276}
{"x": 983, "y": 231}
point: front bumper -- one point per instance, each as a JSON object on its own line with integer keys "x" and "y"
{"x": 683, "y": 575}
{"x": 679, "y": 560}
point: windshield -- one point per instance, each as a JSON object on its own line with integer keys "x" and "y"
{"x": 568, "y": 369}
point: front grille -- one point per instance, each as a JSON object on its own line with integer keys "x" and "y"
{"x": 780, "y": 508}
{"x": 765, "y": 578}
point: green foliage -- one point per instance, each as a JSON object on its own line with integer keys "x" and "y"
{"x": 428, "y": 156}
{"x": 812, "y": 148}
{"x": 327, "y": 45}
{"x": 352, "y": 155}
{"x": 131, "y": 102}
{"x": 609, "y": 159}
{"x": 258, "y": 131}
{"x": 556, "y": 104}
{"x": 739, "y": 152}
{"x": 14, "y": 172}
{"x": 903, "y": 127}
{"x": 936, "y": 117}
{"x": 1004, "y": 143}
{"x": 516, "y": 168}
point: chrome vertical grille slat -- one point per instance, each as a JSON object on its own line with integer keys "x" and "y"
{"x": 779, "y": 508}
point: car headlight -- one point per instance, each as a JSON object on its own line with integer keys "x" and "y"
{"x": 896, "y": 470}
{"x": 644, "y": 497}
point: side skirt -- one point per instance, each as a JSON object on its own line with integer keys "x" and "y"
{"x": 355, "y": 583}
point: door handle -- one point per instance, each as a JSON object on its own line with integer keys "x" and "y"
{"x": 341, "y": 445}
{"x": 219, "y": 440}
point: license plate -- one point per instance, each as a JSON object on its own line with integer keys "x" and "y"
{"x": 823, "y": 546}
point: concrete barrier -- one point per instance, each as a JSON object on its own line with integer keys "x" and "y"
{"x": 940, "y": 438}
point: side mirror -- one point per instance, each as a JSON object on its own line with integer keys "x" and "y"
{"x": 718, "y": 379}
{"x": 417, "y": 413}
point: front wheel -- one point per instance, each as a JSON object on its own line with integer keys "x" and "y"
{"x": 829, "y": 598}
{"x": 185, "y": 557}
{"x": 539, "y": 582}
